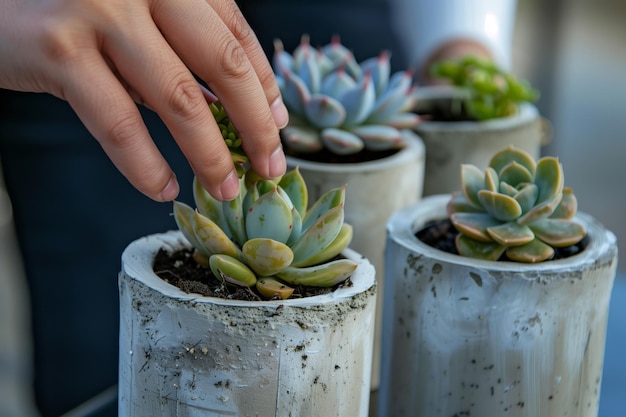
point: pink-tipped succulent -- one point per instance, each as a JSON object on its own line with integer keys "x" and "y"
{"x": 518, "y": 207}
{"x": 338, "y": 104}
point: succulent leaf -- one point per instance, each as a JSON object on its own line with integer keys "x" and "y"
{"x": 489, "y": 251}
{"x": 526, "y": 196}
{"x": 212, "y": 238}
{"x": 183, "y": 215}
{"x": 511, "y": 234}
{"x": 499, "y": 206}
{"x": 303, "y": 139}
{"x": 558, "y": 232}
{"x": 492, "y": 181}
{"x": 294, "y": 185}
{"x": 518, "y": 207}
{"x": 568, "y": 205}
{"x": 231, "y": 270}
{"x": 266, "y": 256}
{"x": 358, "y": 102}
{"x": 379, "y": 137}
{"x": 269, "y": 217}
{"x": 209, "y": 206}
{"x": 535, "y": 251}
{"x": 474, "y": 225}
{"x": 332, "y": 198}
{"x": 233, "y": 213}
{"x": 515, "y": 173}
{"x": 511, "y": 154}
{"x": 341, "y": 142}
{"x": 341, "y": 242}
{"x": 549, "y": 179}
{"x": 273, "y": 289}
{"x": 324, "y": 275}
{"x": 319, "y": 235}
{"x": 472, "y": 180}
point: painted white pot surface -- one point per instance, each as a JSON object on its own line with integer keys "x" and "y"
{"x": 375, "y": 190}
{"x": 186, "y": 355}
{"x": 466, "y": 337}
{"x": 450, "y": 144}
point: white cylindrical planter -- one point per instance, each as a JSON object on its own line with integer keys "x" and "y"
{"x": 375, "y": 190}
{"x": 450, "y": 143}
{"x": 466, "y": 337}
{"x": 187, "y": 355}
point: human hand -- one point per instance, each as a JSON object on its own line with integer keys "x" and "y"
{"x": 103, "y": 57}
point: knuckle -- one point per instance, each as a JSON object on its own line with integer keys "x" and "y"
{"x": 184, "y": 97}
{"x": 125, "y": 130}
{"x": 233, "y": 59}
{"x": 56, "y": 40}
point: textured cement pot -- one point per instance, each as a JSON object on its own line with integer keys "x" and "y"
{"x": 451, "y": 143}
{"x": 186, "y": 355}
{"x": 465, "y": 337}
{"x": 375, "y": 191}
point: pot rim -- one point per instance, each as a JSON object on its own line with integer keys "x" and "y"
{"x": 402, "y": 226}
{"x": 414, "y": 147}
{"x": 138, "y": 256}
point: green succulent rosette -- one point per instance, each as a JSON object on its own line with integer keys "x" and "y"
{"x": 267, "y": 237}
{"x": 517, "y": 207}
{"x": 493, "y": 92}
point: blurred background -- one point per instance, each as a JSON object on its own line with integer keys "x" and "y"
{"x": 574, "y": 52}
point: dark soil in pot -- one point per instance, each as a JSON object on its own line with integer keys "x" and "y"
{"x": 181, "y": 270}
{"x": 326, "y": 156}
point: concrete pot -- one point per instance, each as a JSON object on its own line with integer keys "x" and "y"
{"x": 375, "y": 191}
{"x": 187, "y": 355}
{"x": 450, "y": 143}
{"x": 470, "y": 337}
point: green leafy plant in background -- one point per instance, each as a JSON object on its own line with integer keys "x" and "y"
{"x": 337, "y": 104}
{"x": 268, "y": 237}
{"x": 491, "y": 92}
{"x": 517, "y": 206}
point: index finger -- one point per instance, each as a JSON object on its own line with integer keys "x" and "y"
{"x": 206, "y": 43}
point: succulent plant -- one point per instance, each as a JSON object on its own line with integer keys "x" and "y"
{"x": 335, "y": 103}
{"x": 267, "y": 237}
{"x": 491, "y": 91}
{"x": 517, "y": 206}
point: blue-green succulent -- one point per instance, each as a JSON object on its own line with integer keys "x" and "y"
{"x": 335, "y": 103}
{"x": 267, "y": 237}
{"x": 518, "y": 207}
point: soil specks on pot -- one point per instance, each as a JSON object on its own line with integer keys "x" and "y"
{"x": 477, "y": 278}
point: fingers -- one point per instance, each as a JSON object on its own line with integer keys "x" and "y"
{"x": 111, "y": 116}
{"x": 215, "y": 42}
{"x": 169, "y": 88}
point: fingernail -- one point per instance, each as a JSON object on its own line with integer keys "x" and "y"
{"x": 279, "y": 113}
{"x": 230, "y": 186}
{"x": 277, "y": 164}
{"x": 171, "y": 190}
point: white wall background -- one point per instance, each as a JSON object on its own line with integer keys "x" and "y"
{"x": 575, "y": 53}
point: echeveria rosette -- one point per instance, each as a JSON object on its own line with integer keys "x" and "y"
{"x": 338, "y": 104}
{"x": 493, "y": 92}
{"x": 517, "y": 206}
{"x": 231, "y": 137}
{"x": 266, "y": 237}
